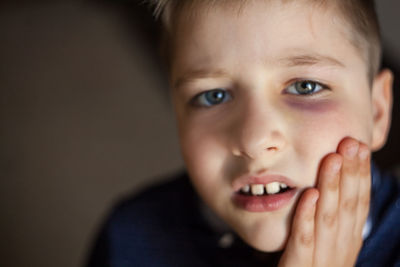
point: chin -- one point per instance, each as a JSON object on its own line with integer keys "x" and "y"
{"x": 267, "y": 238}
{"x": 267, "y": 246}
{"x": 271, "y": 245}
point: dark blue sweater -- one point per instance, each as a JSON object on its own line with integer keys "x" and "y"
{"x": 163, "y": 226}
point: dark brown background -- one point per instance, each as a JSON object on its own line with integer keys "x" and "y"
{"x": 85, "y": 119}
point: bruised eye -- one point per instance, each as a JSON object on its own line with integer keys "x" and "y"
{"x": 305, "y": 88}
{"x": 212, "y": 97}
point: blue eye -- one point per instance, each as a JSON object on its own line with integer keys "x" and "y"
{"x": 305, "y": 88}
{"x": 212, "y": 97}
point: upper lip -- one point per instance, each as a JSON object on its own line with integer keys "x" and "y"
{"x": 249, "y": 179}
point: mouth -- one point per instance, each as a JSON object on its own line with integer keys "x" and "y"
{"x": 263, "y": 194}
{"x": 263, "y": 190}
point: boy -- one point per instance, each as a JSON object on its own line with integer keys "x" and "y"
{"x": 279, "y": 104}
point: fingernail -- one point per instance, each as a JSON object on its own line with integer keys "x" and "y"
{"x": 336, "y": 166}
{"x": 352, "y": 151}
{"x": 314, "y": 199}
{"x": 364, "y": 154}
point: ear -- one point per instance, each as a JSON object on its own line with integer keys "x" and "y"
{"x": 382, "y": 108}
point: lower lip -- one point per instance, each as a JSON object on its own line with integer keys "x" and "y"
{"x": 264, "y": 203}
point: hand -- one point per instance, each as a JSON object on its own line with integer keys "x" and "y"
{"x": 328, "y": 222}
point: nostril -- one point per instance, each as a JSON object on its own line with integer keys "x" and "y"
{"x": 272, "y": 149}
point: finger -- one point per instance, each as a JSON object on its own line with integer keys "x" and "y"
{"x": 364, "y": 193}
{"x": 327, "y": 208}
{"x": 348, "y": 190}
{"x": 300, "y": 247}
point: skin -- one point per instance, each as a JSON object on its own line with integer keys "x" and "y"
{"x": 255, "y": 56}
{"x": 332, "y": 226}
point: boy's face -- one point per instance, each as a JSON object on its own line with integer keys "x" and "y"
{"x": 289, "y": 86}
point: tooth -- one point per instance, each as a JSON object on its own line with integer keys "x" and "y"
{"x": 273, "y": 188}
{"x": 257, "y": 189}
{"x": 246, "y": 189}
{"x": 283, "y": 186}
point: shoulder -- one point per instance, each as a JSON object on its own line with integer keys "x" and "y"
{"x": 157, "y": 204}
{"x": 155, "y": 227}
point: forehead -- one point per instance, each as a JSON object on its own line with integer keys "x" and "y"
{"x": 260, "y": 31}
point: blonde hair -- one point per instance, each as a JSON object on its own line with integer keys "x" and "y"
{"x": 359, "y": 14}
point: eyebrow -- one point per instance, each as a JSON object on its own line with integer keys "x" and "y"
{"x": 290, "y": 61}
{"x": 310, "y": 60}
{"x": 200, "y": 74}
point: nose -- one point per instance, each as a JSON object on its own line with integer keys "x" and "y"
{"x": 258, "y": 131}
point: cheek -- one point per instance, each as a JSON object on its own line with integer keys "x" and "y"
{"x": 329, "y": 121}
{"x": 317, "y": 130}
{"x": 316, "y": 127}
{"x": 205, "y": 158}
{"x": 203, "y": 154}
